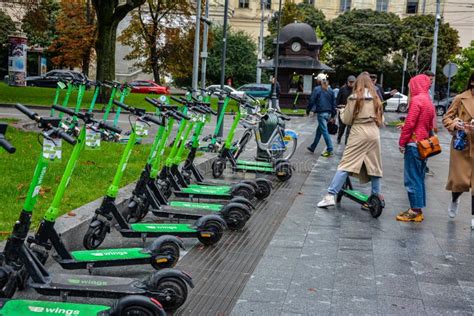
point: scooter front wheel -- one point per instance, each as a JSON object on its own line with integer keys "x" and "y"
{"x": 95, "y": 235}
{"x": 216, "y": 230}
{"x": 218, "y": 167}
{"x": 169, "y": 250}
{"x": 173, "y": 292}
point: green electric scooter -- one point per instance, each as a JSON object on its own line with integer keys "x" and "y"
{"x": 178, "y": 186}
{"x": 279, "y": 167}
{"x": 147, "y": 194}
{"x": 162, "y": 253}
{"x": 20, "y": 260}
{"x": 129, "y": 305}
{"x": 373, "y": 202}
{"x": 207, "y": 229}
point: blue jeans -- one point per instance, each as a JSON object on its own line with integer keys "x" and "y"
{"x": 414, "y": 177}
{"x": 341, "y": 176}
{"x": 322, "y": 130}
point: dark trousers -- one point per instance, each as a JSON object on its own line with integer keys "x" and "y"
{"x": 340, "y": 132}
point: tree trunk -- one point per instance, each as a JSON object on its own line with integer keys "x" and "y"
{"x": 105, "y": 48}
{"x": 86, "y": 62}
{"x": 155, "y": 64}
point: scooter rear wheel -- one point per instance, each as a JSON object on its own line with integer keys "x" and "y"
{"x": 173, "y": 293}
{"x": 166, "y": 249}
{"x": 236, "y": 219}
{"x": 375, "y": 206}
{"x": 137, "y": 310}
{"x": 263, "y": 191}
{"x": 217, "y": 230}
{"x": 283, "y": 171}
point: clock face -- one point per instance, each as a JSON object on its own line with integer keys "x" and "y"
{"x": 296, "y": 47}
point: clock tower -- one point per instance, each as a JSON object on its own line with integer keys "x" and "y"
{"x": 298, "y": 64}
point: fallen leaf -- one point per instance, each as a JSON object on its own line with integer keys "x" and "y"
{"x": 312, "y": 289}
{"x": 71, "y": 213}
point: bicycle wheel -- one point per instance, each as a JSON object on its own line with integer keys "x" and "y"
{"x": 282, "y": 147}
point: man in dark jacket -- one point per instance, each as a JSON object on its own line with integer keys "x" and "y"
{"x": 341, "y": 101}
{"x": 323, "y": 103}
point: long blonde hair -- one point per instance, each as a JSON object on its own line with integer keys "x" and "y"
{"x": 363, "y": 82}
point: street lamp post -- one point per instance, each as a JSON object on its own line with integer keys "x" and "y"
{"x": 204, "y": 46}
{"x": 196, "y": 47}
{"x": 434, "y": 54}
{"x": 220, "y": 104}
{"x": 260, "y": 42}
{"x": 275, "y": 61}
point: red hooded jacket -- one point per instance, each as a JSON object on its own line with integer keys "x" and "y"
{"x": 421, "y": 113}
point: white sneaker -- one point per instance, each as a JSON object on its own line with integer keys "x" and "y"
{"x": 327, "y": 201}
{"x": 453, "y": 208}
{"x": 472, "y": 224}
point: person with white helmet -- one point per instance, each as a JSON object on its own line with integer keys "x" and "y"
{"x": 323, "y": 103}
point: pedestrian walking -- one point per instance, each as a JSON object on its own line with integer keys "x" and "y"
{"x": 341, "y": 101}
{"x": 459, "y": 121}
{"x": 362, "y": 155}
{"x": 323, "y": 103}
{"x": 418, "y": 126}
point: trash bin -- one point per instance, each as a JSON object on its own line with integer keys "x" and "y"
{"x": 266, "y": 127}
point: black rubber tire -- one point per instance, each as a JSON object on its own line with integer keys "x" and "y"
{"x": 283, "y": 171}
{"x": 166, "y": 248}
{"x": 236, "y": 219}
{"x": 177, "y": 293}
{"x": 137, "y": 311}
{"x": 214, "y": 227}
{"x": 375, "y": 206}
{"x": 245, "y": 193}
{"x": 263, "y": 191}
{"x": 218, "y": 167}
{"x": 137, "y": 214}
{"x": 94, "y": 237}
{"x": 403, "y": 108}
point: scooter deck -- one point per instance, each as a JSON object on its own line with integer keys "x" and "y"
{"x": 210, "y": 188}
{"x": 188, "y": 192}
{"x": 194, "y": 205}
{"x": 254, "y": 163}
{"x": 196, "y": 189}
{"x": 254, "y": 168}
{"x": 89, "y": 286}
{"x": 162, "y": 228}
{"x": 43, "y": 308}
{"x": 357, "y": 195}
{"x": 109, "y": 254}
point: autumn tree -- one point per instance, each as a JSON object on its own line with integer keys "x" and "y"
{"x": 39, "y": 22}
{"x": 76, "y": 34}
{"x": 109, "y": 14}
{"x": 148, "y": 30}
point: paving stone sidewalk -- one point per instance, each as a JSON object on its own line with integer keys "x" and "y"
{"x": 342, "y": 261}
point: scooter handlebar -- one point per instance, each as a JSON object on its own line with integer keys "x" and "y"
{"x": 32, "y": 115}
{"x": 123, "y": 106}
{"x": 158, "y": 104}
{"x": 64, "y": 110}
{"x": 179, "y": 100}
{"x": 153, "y": 119}
{"x": 71, "y": 140}
{"x": 105, "y": 125}
{"x": 5, "y": 144}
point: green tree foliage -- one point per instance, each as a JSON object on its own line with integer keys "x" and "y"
{"x": 151, "y": 31}
{"x": 291, "y": 12}
{"x": 417, "y": 42}
{"x": 39, "y": 22}
{"x": 465, "y": 61}
{"x": 6, "y": 27}
{"x": 363, "y": 40}
{"x": 241, "y": 58}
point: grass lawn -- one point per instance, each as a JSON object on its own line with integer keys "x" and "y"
{"x": 45, "y": 97}
{"x": 93, "y": 174}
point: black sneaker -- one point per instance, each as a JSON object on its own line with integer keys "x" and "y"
{"x": 310, "y": 150}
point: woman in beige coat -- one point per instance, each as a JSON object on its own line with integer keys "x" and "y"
{"x": 461, "y": 175}
{"x": 362, "y": 157}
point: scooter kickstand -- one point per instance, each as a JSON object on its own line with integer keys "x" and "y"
{"x": 64, "y": 296}
{"x": 143, "y": 237}
{"x": 90, "y": 267}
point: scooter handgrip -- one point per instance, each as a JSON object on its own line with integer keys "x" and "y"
{"x": 122, "y": 105}
{"x": 153, "y": 119}
{"x": 71, "y": 140}
{"x": 213, "y": 112}
{"x": 154, "y": 102}
{"x": 64, "y": 110}
{"x": 5, "y": 144}
{"x": 174, "y": 115}
{"x": 234, "y": 97}
{"x": 109, "y": 127}
{"x": 177, "y": 100}
{"x": 32, "y": 115}
{"x": 183, "y": 116}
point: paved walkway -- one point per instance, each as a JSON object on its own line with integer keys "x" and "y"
{"x": 342, "y": 261}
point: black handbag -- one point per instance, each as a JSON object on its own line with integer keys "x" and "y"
{"x": 332, "y": 128}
